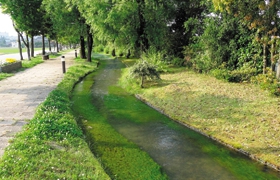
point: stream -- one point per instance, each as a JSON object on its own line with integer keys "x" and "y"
{"x": 182, "y": 153}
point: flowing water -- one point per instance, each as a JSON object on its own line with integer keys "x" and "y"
{"x": 183, "y": 153}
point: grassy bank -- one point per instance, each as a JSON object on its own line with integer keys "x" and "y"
{"x": 240, "y": 115}
{"x": 121, "y": 158}
{"x": 52, "y": 145}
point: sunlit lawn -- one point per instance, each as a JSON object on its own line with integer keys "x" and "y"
{"x": 241, "y": 115}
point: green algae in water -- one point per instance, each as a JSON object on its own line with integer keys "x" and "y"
{"x": 121, "y": 158}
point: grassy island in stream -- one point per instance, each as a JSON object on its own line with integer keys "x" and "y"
{"x": 52, "y": 145}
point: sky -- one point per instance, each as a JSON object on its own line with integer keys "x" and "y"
{"x": 6, "y": 24}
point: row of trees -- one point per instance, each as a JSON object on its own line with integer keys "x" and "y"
{"x": 209, "y": 35}
{"x": 129, "y": 26}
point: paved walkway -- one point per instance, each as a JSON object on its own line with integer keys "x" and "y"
{"x": 23, "y": 92}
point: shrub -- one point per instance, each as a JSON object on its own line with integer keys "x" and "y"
{"x": 222, "y": 74}
{"x": 243, "y": 74}
{"x": 178, "y": 61}
{"x": 120, "y": 52}
{"x": 107, "y": 50}
{"x": 99, "y": 48}
{"x": 268, "y": 82}
{"x": 152, "y": 56}
{"x": 144, "y": 70}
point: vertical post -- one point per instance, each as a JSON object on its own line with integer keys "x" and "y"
{"x": 63, "y": 64}
{"x": 75, "y": 53}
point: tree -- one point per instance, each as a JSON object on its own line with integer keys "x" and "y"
{"x": 128, "y": 25}
{"x": 144, "y": 70}
{"x": 68, "y": 26}
{"x": 186, "y": 19}
{"x": 27, "y": 16}
{"x": 259, "y": 15}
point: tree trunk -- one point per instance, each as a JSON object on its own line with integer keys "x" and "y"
{"x": 113, "y": 52}
{"x": 19, "y": 47}
{"x": 82, "y": 50}
{"x": 128, "y": 54}
{"x": 264, "y": 58}
{"x": 28, "y": 47}
{"x": 142, "y": 81}
{"x": 272, "y": 56}
{"x": 278, "y": 68}
{"x": 26, "y": 43}
{"x": 32, "y": 46}
{"x": 90, "y": 43}
{"x": 57, "y": 49}
{"x": 43, "y": 44}
{"x": 142, "y": 41}
{"x": 50, "y": 47}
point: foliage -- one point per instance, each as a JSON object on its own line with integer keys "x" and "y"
{"x": 155, "y": 58}
{"x": 52, "y": 145}
{"x": 5, "y": 75}
{"x": 144, "y": 70}
{"x": 99, "y": 48}
{"x": 221, "y": 73}
{"x": 261, "y": 17}
{"x": 178, "y": 61}
{"x": 243, "y": 74}
{"x": 268, "y": 82}
{"x": 63, "y": 17}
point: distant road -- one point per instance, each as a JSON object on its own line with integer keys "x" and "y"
{"x": 15, "y": 56}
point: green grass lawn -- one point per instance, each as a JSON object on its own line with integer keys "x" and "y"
{"x": 241, "y": 115}
{"x": 14, "y": 50}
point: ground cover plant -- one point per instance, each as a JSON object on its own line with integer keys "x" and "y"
{"x": 52, "y": 146}
{"x": 121, "y": 158}
{"x": 5, "y": 75}
{"x": 241, "y": 115}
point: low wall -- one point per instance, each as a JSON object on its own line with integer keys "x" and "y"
{"x": 11, "y": 67}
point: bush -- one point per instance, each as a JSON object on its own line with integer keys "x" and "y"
{"x": 99, "y": 48}
{"x": 152, "y": 56}
{"x": 222, "y": 74}
{"x": 144, "y": 70}
{"x": 178, "y": 61}
{"x": 107, "y": 50}
{"x": 245, "y": 73}
{"x": 120, "y": 52}
{"x": 268, "y": 82}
